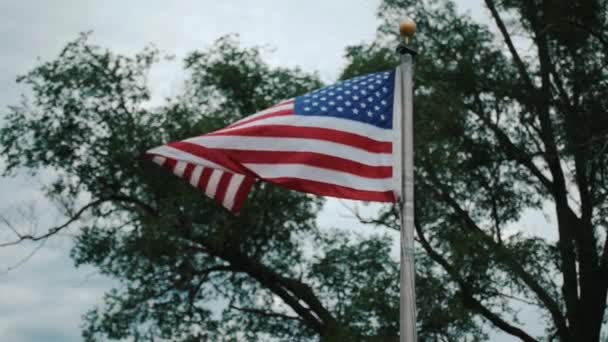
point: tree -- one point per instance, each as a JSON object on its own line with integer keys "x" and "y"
{"x": 501, "y": 131}
{"x": 188, "y": 269}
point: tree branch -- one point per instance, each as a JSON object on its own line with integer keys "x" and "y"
{"x": 466, "y": 292}
{"x": 521, "y": 67}
{"x": 265, "y": 313}
{"x": 505, "y": 256}
{"x": 76, "y": 216}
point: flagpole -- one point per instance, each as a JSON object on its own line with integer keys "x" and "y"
{"x": 407, "y": 312}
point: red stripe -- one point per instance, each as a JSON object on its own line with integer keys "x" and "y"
{"x": 170, "y": 164}
{"x": 325, "y": 134}
{"x": 222, "y": 185}
{"x": 324, "y": 189}
{"x": 312, "y": 159}
{"x": 205, "y": 175}
{"x": 216, "y": 156}
{"x": 242, "y": 193}
{"x": 282, "y": 112}
{"x": 233, "y": 160}
{"x": 188, "y": 172}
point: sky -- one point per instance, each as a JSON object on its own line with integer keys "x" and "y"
{"x": 43, "y": 298}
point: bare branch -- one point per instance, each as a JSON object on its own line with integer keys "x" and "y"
{"x": 466, "y": 292}
{"x": 77, "y": 215}
{"x": 26, "y": 259}
{"x": 521, "y": 67}
{"x": 265, "y": 313}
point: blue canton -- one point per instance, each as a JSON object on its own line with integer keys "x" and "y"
{"x": 367, "y": 98}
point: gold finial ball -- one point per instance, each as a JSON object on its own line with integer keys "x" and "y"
{"x": 407, "y": 28}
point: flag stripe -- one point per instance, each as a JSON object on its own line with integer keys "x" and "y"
{"x": 290, "y": 145}
{"x": 159, "y": 160}
{"x": 196, "y": 175}
{"x": 324, "y": 189}
{"x": 268, "y": 171}
{"x": 222, "y": 186}
{"x": 188, "y": 171}
{"x": 242, "y": 192}
{"x": 312, "y": 159}
{"x": 345, "y": 125}
{"x": 231, "y": 191}
{"x": 214, "y": 180}
{"x": 307, "y": 158}
{"x": 179, "y": 168}
{"x": 322, "y": 134}
{"x": 285, "y": 106}
{"x": 170, "y": 153}
{"x": 272, "y": 114}
{"x": 204, "y": 180}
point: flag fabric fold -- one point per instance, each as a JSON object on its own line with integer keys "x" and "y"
{"x": 340, "y": 141}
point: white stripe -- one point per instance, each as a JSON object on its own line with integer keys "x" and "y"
{"x": 214, "y": 180}
{"x": 294, "y": 145}
{"x": 196, "y": 175}
{"x": 174, "y": 153}
{"x": 159, "y": 160}
{"x": 267, "y": 111}
{"x": 306, "y": 172}
{"x": 233, "y": 188}
{"x": 179, "y": 168}
{"x": 346, "y": 125}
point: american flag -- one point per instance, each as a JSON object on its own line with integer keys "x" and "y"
{"x": 336, "y": 141}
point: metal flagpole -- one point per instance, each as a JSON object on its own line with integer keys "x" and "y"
{"x": 407, "y": 313}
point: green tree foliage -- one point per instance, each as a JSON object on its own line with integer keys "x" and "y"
{"x": 509, "y": 123}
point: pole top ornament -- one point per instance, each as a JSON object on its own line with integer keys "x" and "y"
{"x": 407, "y": 29}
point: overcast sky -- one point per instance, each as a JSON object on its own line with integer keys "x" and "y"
{"x": 43, "y": 299}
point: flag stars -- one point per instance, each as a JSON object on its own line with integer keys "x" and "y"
{"x": 366, "y": 99}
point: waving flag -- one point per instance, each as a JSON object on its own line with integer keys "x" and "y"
{"x": 337, "y": 141}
